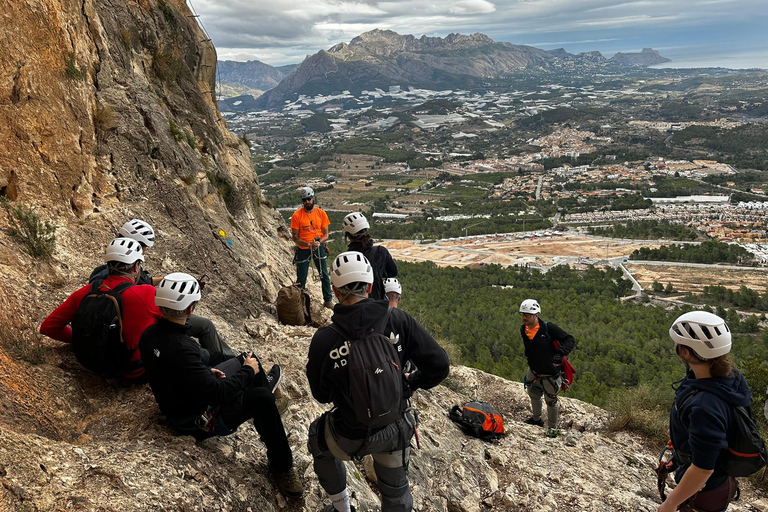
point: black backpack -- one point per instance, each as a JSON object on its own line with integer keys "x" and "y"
{"x": 746, "y": 453}
{"x": 375, "y": 377}
{"x": 97, "y": 332}
{"x": 479, "y": 419}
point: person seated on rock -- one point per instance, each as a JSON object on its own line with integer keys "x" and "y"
{"x": 123, "y": 262}
{"x": 201, "y": 328}
{"x": 356, "y": 229}
{"x": 204, "y": 401}
{"x": 341, "y": 433}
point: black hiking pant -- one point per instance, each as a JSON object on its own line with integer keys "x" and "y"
{"x": 257, "y": 403}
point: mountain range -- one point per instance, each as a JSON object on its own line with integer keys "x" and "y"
{"x": 380, "y": 58}
{"x": 252, "y": 77}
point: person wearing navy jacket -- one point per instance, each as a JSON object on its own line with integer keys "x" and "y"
{"x": 702, "y": 414}
{"x": 543, "y": 378}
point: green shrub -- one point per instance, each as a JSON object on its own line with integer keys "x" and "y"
{"x": 190, "y": 139}
{"x": 168, "y": 14}
{"x": 37, "y": 237}
{"x": 189, "y": 179}
{"x": 166, "y": 64}
{"x": 177, "y": 132}
{"x": 72, "y": 70}
{"x": 643, "y": 410}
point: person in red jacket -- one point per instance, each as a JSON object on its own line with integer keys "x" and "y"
{"x": 124, "y": 257}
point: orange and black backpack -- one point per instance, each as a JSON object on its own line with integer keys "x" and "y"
{"x": 479, "y": 419}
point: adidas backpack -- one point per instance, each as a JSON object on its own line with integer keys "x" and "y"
{"x": 375, "y": 377}
{"x": 479, "y": 419}
{"x": 97, "y": 332}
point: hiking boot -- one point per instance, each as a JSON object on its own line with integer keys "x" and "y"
{"x": 273, "y": 377}
{"x": 328, "y": 304}
{"x": 288, "y": 483}
{"x": 282, "y": 404}
{"x": 552, "y": 432}
{"x": 538, "y": 422}
{"x": 331, "y": 508}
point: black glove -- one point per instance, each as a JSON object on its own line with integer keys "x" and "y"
{"x": 557, "y": 358}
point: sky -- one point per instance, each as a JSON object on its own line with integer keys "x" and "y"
{"x": 700, "y": 33}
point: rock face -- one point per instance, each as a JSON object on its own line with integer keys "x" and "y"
{"x": 381, "y": 58}
{"x": 107, "y": 114}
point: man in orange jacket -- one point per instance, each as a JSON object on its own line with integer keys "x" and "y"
{"x": 309, "y": 229}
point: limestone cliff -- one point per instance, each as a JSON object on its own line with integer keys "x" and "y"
{"x": 107, "y": 113}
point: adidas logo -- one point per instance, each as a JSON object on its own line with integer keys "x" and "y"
{"x": 378, "y": 370}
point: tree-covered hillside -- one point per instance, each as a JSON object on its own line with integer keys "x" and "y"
{"x": 620, "y": 344}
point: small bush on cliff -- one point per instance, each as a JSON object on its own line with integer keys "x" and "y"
{"x": 104, "y": 119}
{"x": 177, "y": 132}
{"x": 168, "y": 13}
{"x": 166, "y": 65}
{"x": 38, "y": 237}
{"x": 643, "y": 410}
{"x": 72, "y": 70}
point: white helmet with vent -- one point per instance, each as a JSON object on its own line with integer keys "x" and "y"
{"x": 306, "y": 193}
{"x": 177, "y": 291}
{"x": 351, "y": 267}
{"x": 530, "y": 306}
{"x": 354, "y": 223}
{"x": 124, "y": 250}
{"x": 705, "y": 333}
{"x": 392, "y": 285}
{"x": 139, "y": 231}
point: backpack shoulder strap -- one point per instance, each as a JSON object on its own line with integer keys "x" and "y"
{"x": 383, "y": 322}
{"x": 374, "y": 249}
{"x": 684, "y": 401}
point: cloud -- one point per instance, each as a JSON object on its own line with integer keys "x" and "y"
{"x": 472, "y": 7}
{"x": 286, "y": 30}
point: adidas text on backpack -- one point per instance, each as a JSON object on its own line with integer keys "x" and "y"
{"x": 375, "y": 377}
{"x": 97, "y": 332}
{"x": 479, "y": 419}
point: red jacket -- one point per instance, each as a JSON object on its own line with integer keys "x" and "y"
{"x": 139, "y": 312}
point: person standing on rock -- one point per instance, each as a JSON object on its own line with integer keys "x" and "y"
{"x": 202, "y": 401}
{"x": 356, "y": 227}
{"x": 702, "y": 414}
{"x": 543, "y": 378}
{"x": 344, "y": 434}
{"x": 309, "y": 229}
{"x": 200, "y": 327}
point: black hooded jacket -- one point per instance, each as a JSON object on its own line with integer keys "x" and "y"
{"x": 382, "y": 260}
{"x": 182, "y": 384}
{"x": 327, "y": 372}
{"x": 700, "y": 427}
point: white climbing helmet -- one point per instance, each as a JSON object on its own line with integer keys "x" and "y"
{"x": 705, "y": 333}
{"x": 124, "y": 250}
{"x": 139, "y": 231}
{"x": 351, "y": 267}
{"x": 177, "y": 291}
{"x": 354, "y": 223}
{"x": 392, "y": 285}
{"x": 530, "y": 306}
{"x": 306, "y": 193}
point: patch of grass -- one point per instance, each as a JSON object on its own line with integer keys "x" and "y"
{"x": 189, "y": 179}
{"x": 168, "y": 14}
{"x": 643, "y": 410}
{"x": 73, "y": 72}
{"x": 166, "y": 64}
{"x": 190, "y": 139}
{"x": 38, "y": 237}
{"x": 176, "y": 132}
